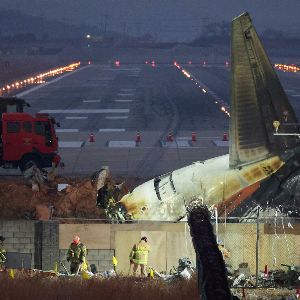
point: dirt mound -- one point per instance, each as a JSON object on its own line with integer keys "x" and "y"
{"x": 78, "y": 200}
{"x": 17, "y": 200}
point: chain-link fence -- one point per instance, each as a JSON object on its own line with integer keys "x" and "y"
{"x": 260, "y": 252}
{"x": 263, "y": 252}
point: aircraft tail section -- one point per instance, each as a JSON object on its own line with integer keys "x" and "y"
{"x": 257, "y": 99}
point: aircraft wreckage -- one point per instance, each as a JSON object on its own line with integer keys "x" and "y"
{"x": 261, "y": 167}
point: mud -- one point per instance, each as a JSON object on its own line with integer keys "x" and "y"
{"x": 17, "y": 200}
{"x": 78, "y": 200}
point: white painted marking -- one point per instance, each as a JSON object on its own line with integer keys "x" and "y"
{"x": 123, "y": 100}
{"x": 128, "y": 90}
{"x": 295, "y": 95}
{"x": 290, "y": 91}
{"x": 121, "y": 144}
{"x": 67, "y": 130}
{"x": 116, "y": 117}
{"x": 112, "y": 130}
{"x": 175, "y": 144}
{"x": 85, "y": 111}
{"x": 76, "y": 118}
{"x": 221, "y": 143}
{"x": 49, "y": 82}
{"x": 127, "y": 94}
{"x": 91, "y": 101}
{"x": 133, "y": 75}
{"x": 75, "y": 144}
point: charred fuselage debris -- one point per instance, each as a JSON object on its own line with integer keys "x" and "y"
{"x": 108, "y": 195}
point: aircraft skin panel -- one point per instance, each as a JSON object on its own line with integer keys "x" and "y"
{"x": 257, "y": 99}
{"x": 212, "y": 181}
{"x": 228, "y": 205}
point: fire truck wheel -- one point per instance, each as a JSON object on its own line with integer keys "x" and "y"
{"x": 29, "y": 161}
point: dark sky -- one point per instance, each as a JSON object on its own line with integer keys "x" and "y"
{"x": 164, "y": 18}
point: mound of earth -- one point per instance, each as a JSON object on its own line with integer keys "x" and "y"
{"x": 77, "y": 200}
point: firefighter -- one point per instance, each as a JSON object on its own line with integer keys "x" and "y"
{"x": 2, "y": 252}
{"x": 139, "y": 256}
{"x": 225, "y": 252}
{"x": 76, "y": 255}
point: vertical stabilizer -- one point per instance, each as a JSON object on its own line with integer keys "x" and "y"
{"x": 257, "y": 99}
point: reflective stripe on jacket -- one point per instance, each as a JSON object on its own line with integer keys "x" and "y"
{"x": 139, "y": 253}
{"x": 2, "y": 255}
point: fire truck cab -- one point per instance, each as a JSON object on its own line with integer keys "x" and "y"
{"x": 26, "y": 139}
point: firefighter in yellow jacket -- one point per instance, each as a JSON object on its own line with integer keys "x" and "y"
{"x": 139, "y": 255}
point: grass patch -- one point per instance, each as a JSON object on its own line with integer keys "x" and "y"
{"x": 65, "y": 288}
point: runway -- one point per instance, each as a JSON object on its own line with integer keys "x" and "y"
{"x": 114, "y": 103}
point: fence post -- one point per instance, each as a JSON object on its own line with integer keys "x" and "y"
{"x": 257, "y": 241}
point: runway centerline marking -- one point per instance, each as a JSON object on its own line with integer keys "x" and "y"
{"x": 128, "y": 90}
{"x": 70, "y": 144}
{"x": 85, "y": 111}
{"x": 124, "y": 100}
{"x": 49, "y": 82}
{"x": 67, "y": 130}
{"x": 91, "y": 101}
{"x": 116, "y": 117}
{"x": 121, "y": 144}
{"x": 127, "y": 94}
{"x": 76, "y": 118}
{"x": 112, "y": 130}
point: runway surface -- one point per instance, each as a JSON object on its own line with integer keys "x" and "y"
{"x": 114, "y": 103}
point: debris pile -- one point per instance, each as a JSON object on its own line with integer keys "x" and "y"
{"x": 271, "y": 279}
{"x": 184, "y": 270}
{"x": 43, "y": 196}
{"x": 18, "y": 200}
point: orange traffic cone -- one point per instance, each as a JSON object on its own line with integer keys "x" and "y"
{"x": 138, "y": 138}
{"x": 92, "y": 138}
{"x": 193, "y": 137}
{"x": 225, "y": 137}
{"x": 170, "y": 137}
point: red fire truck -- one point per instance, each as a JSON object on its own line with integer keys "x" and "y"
{"x": 26, "y": 139}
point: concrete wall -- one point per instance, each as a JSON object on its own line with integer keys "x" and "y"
{"x": 102, "y": 259}
{"x": 19, "y": 237}
{"x": 47, "y": 242}
{"x": 168, "y": 242}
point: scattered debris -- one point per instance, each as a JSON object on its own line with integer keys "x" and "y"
{"x": 184, "y": 270}
{"x": 62, "y": 186}
{"x": 35, "y": 177}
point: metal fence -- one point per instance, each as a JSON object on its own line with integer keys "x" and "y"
{"x": 262, "y": 252}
